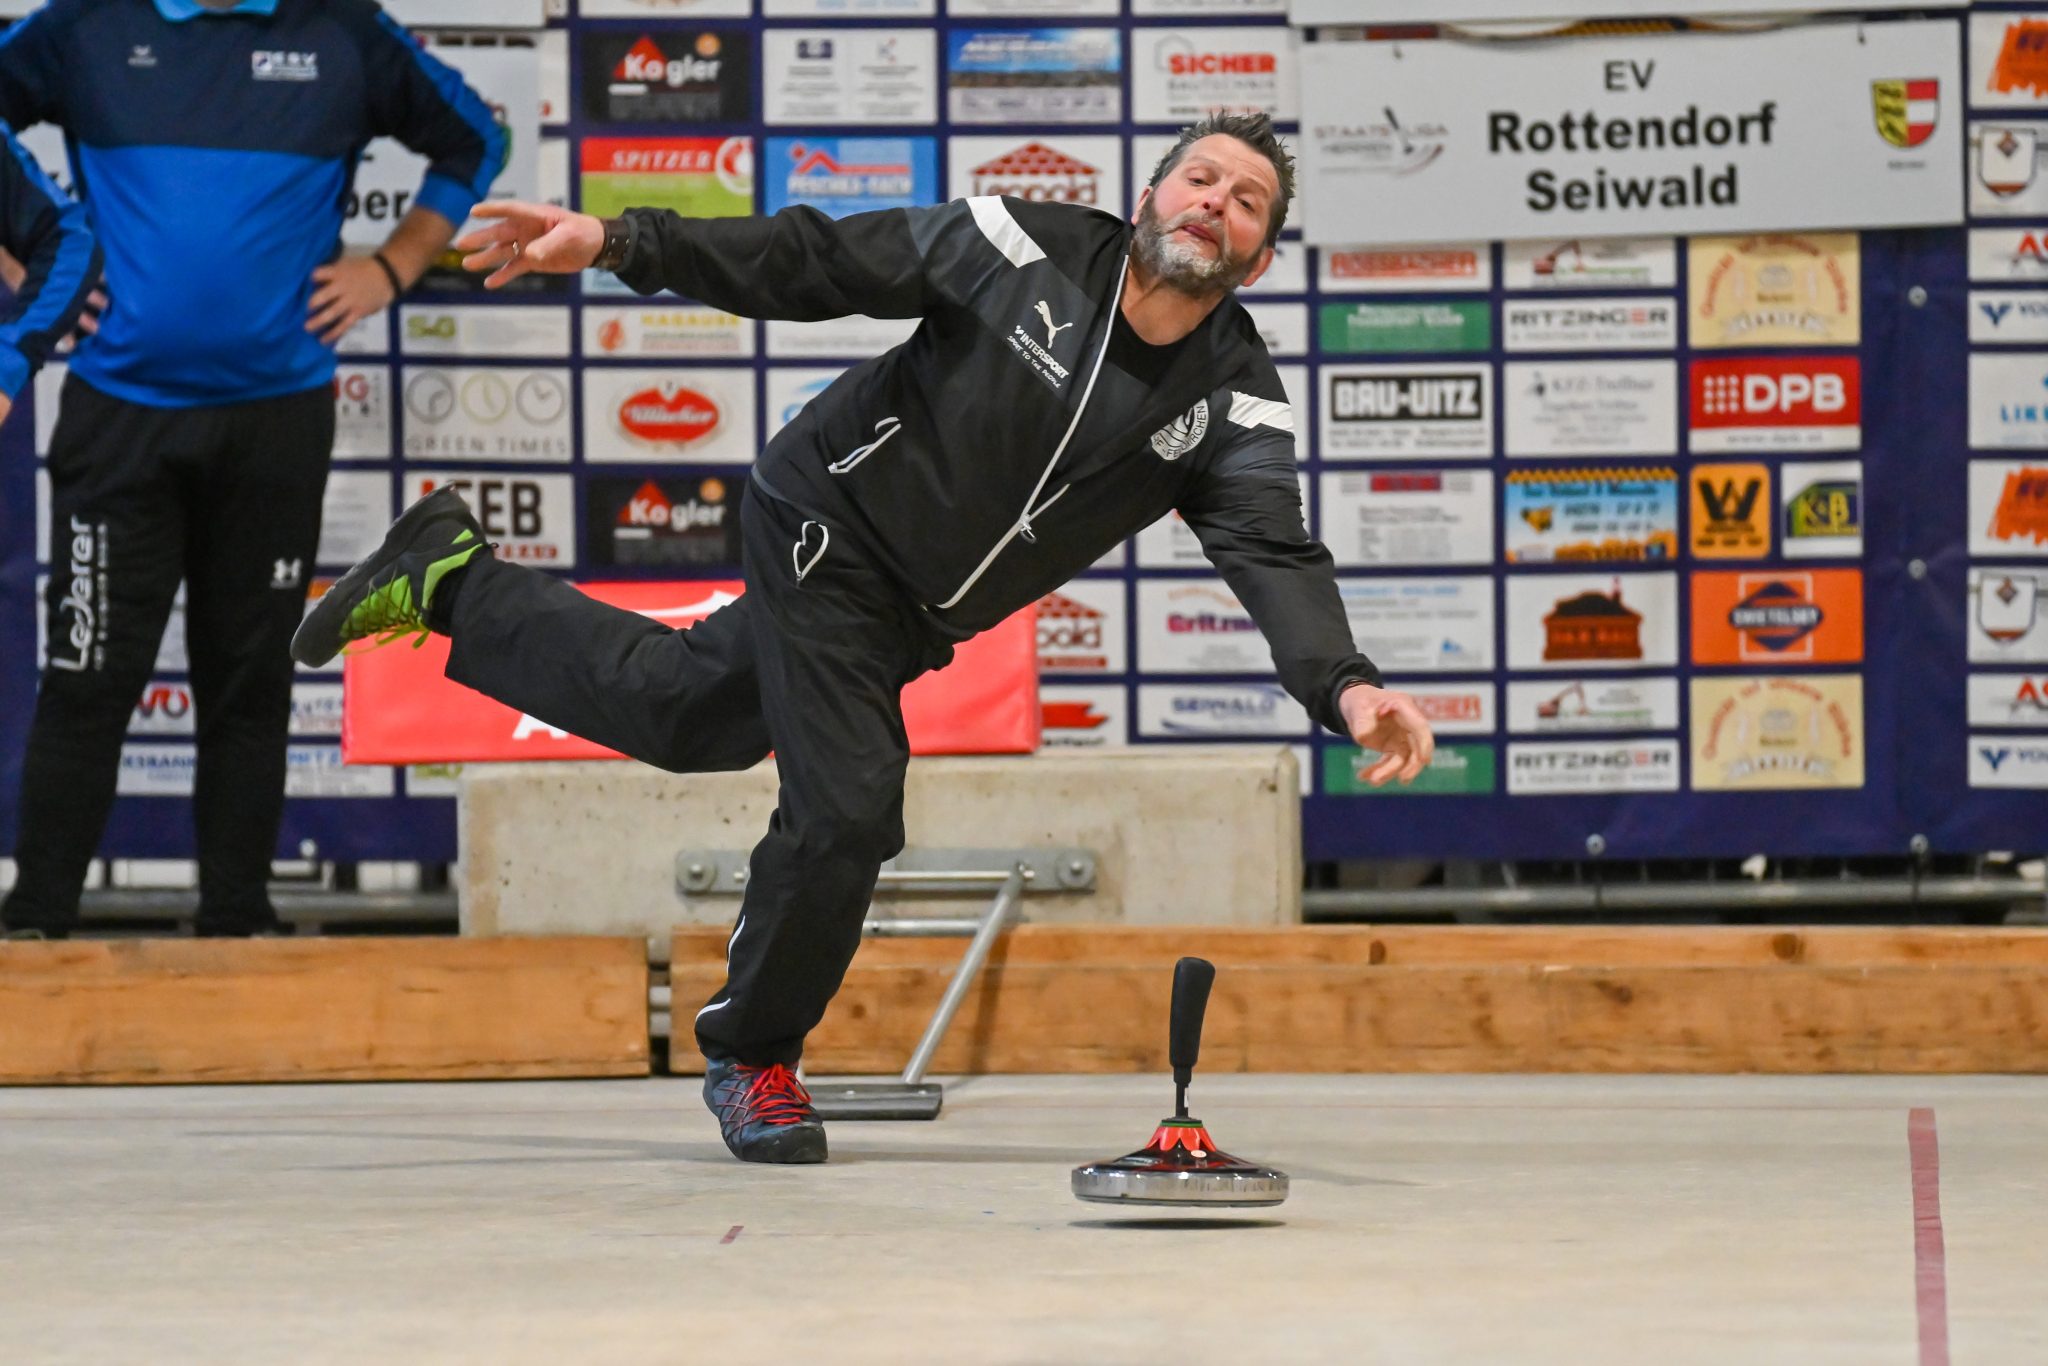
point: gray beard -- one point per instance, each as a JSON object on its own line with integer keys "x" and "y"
{"x": 1183, "y": 268}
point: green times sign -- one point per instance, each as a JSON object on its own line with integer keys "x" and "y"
{"x": 1456, "y": 770}
{"x": 1465, "y": 325}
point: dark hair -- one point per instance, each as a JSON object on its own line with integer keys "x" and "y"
{"x": 1254, "y": 131}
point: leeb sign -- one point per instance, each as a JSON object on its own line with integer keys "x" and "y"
{"x": 1824, "y": 126}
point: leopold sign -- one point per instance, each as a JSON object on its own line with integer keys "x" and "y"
{"x": 1834, "y": 125}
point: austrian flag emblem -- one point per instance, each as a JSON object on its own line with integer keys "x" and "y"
{"x": 1906, "y": 111}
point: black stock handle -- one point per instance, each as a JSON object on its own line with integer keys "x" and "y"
{"x": 1192, "y": 978}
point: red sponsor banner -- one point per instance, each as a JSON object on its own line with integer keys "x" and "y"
{"x": 1777, "y": 403}
{"x": 398, "y": 708}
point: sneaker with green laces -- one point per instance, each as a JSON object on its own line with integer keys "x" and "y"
{"x": 388, "y": 595}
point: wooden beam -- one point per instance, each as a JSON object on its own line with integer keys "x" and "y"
{"x": 343, "y": 1009}
{"x": 1414, "y": 999}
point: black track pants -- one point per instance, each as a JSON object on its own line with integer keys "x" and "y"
{"x": 811, "y": 662}
{"x": 225, "y": 498}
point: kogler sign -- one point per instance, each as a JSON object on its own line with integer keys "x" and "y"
{"x": 1832, "y": 125}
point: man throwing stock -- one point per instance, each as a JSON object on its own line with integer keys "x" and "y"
{"x": 1073, "y": 380}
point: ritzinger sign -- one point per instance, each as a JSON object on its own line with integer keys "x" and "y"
{"x": 1835, "y": 125}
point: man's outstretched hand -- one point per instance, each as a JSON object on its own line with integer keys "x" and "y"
{"x": 530, "y": 237}
{"x": 1392, "y": 724}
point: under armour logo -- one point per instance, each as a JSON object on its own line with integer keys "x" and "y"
{"x": 285, "y": 574}
{"x": 1052, "y": 329}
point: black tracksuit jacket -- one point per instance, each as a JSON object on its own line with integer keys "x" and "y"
{"x": 958, "y": 459}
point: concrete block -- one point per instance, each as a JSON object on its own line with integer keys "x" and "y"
{"x": 1184, "y": 836}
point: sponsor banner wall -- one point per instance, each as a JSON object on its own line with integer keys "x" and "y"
{"x": 1640, "y": 134}
{"x": 1675, "y": 427}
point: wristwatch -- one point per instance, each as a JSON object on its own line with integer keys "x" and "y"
{"x": 618, "y": 238}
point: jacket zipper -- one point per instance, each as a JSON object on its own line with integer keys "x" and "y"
{"x": 1023, "y": 524}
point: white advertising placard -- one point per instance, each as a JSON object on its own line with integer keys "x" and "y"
{"x": 1540, "y": 768}
{"x": 2011, "y": 761}
{"x": 2004, "y": 605}
{"x": 1522, "y": 12}
{"x": 2013, "y": 701}
{"x": 1619, "y": 323}
{"x": 472, "y": 13}
{"x": 528, "y": 331}
{"x": 1547, "y": 263}
{"x": 2009, "y": 255}
{"x": 316, "y": 709}
{"x": 1572, "y": 705}
{"x": 508, "y": 413}
{"x": 1084, "y": 716}
{"x": 2007, "y": 176}
{"x": 1055, "y": 167}
{"x": 1195, "y": 711}
{"x": 317, "y": 771}
{"x": 1404, "y": 267}
{"x": 1081, "y": 628}
{"x": 1581, "y": 622}
{"x": 529, "y": 518}
{"x": 1691, "y": 133}
{"x": 1455, "y": 708}
{"x": 1284, "y": 329}
{"x": 847, "y": 9}
{"x": 1181, "y": 72}
{"x": 1406, "y": 412}
{"x": 1408, "y": 518}
{"x": 156, "y": 770}
{"x": 701, "y": 414}
{"x": 1197, "y": 626}
{"x": 1604, "y": 407}
{"x": 664, "y": 9}
{"x": 1432, "y": 625}
{"x": 165, "y": 708}
{"x": 814, "y": 77}
{"x": 854, "y": 338}
{"x": 665, "y": 331}
{"x": 389, "y": 174}
{"x": 355, "y": 512}
{"x": 362, "y": 412}
{"x": 2008, "y": 316}
{"x": 2009, "y": 400}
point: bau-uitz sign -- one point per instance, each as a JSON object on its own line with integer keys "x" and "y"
{"x": 1829, "y": 125}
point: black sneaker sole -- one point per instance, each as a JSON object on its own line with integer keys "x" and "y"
{"x": 318, "y": 638}
{"x": 790, "y": 1145}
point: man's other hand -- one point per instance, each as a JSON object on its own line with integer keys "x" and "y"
{"x": 1391, "y": 724}
{"x": 530, "y": 237}
{"x": 346, "y": 290}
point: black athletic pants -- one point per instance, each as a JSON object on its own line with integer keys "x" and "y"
{"x": 811, "y": 662}
{"x": 225, "y": 498}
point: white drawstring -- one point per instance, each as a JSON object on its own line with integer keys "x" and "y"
{"x": 860, "y": 453}
{"x": 796, "y": 552}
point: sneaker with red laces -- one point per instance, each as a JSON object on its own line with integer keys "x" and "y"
{"x": 764, "y": 1113}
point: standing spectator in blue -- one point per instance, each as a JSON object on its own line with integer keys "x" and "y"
{"x": 214, "y": 143}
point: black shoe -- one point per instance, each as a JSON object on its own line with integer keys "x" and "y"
{"x": 764, "y": 1113}
{"x": 390, "y": 594}
{"x": 29, "y": 933}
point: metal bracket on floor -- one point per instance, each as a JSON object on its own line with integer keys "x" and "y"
{"x": 1010, "y": 874}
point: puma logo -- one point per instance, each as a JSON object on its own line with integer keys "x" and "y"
{"x": 1052, "y": 329}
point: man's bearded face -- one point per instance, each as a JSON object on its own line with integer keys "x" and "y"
{"x": 1191, "y": 253}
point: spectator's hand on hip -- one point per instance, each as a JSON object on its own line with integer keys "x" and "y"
{"x": 530, "y": 237}
{"x": 346, "y": 290}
